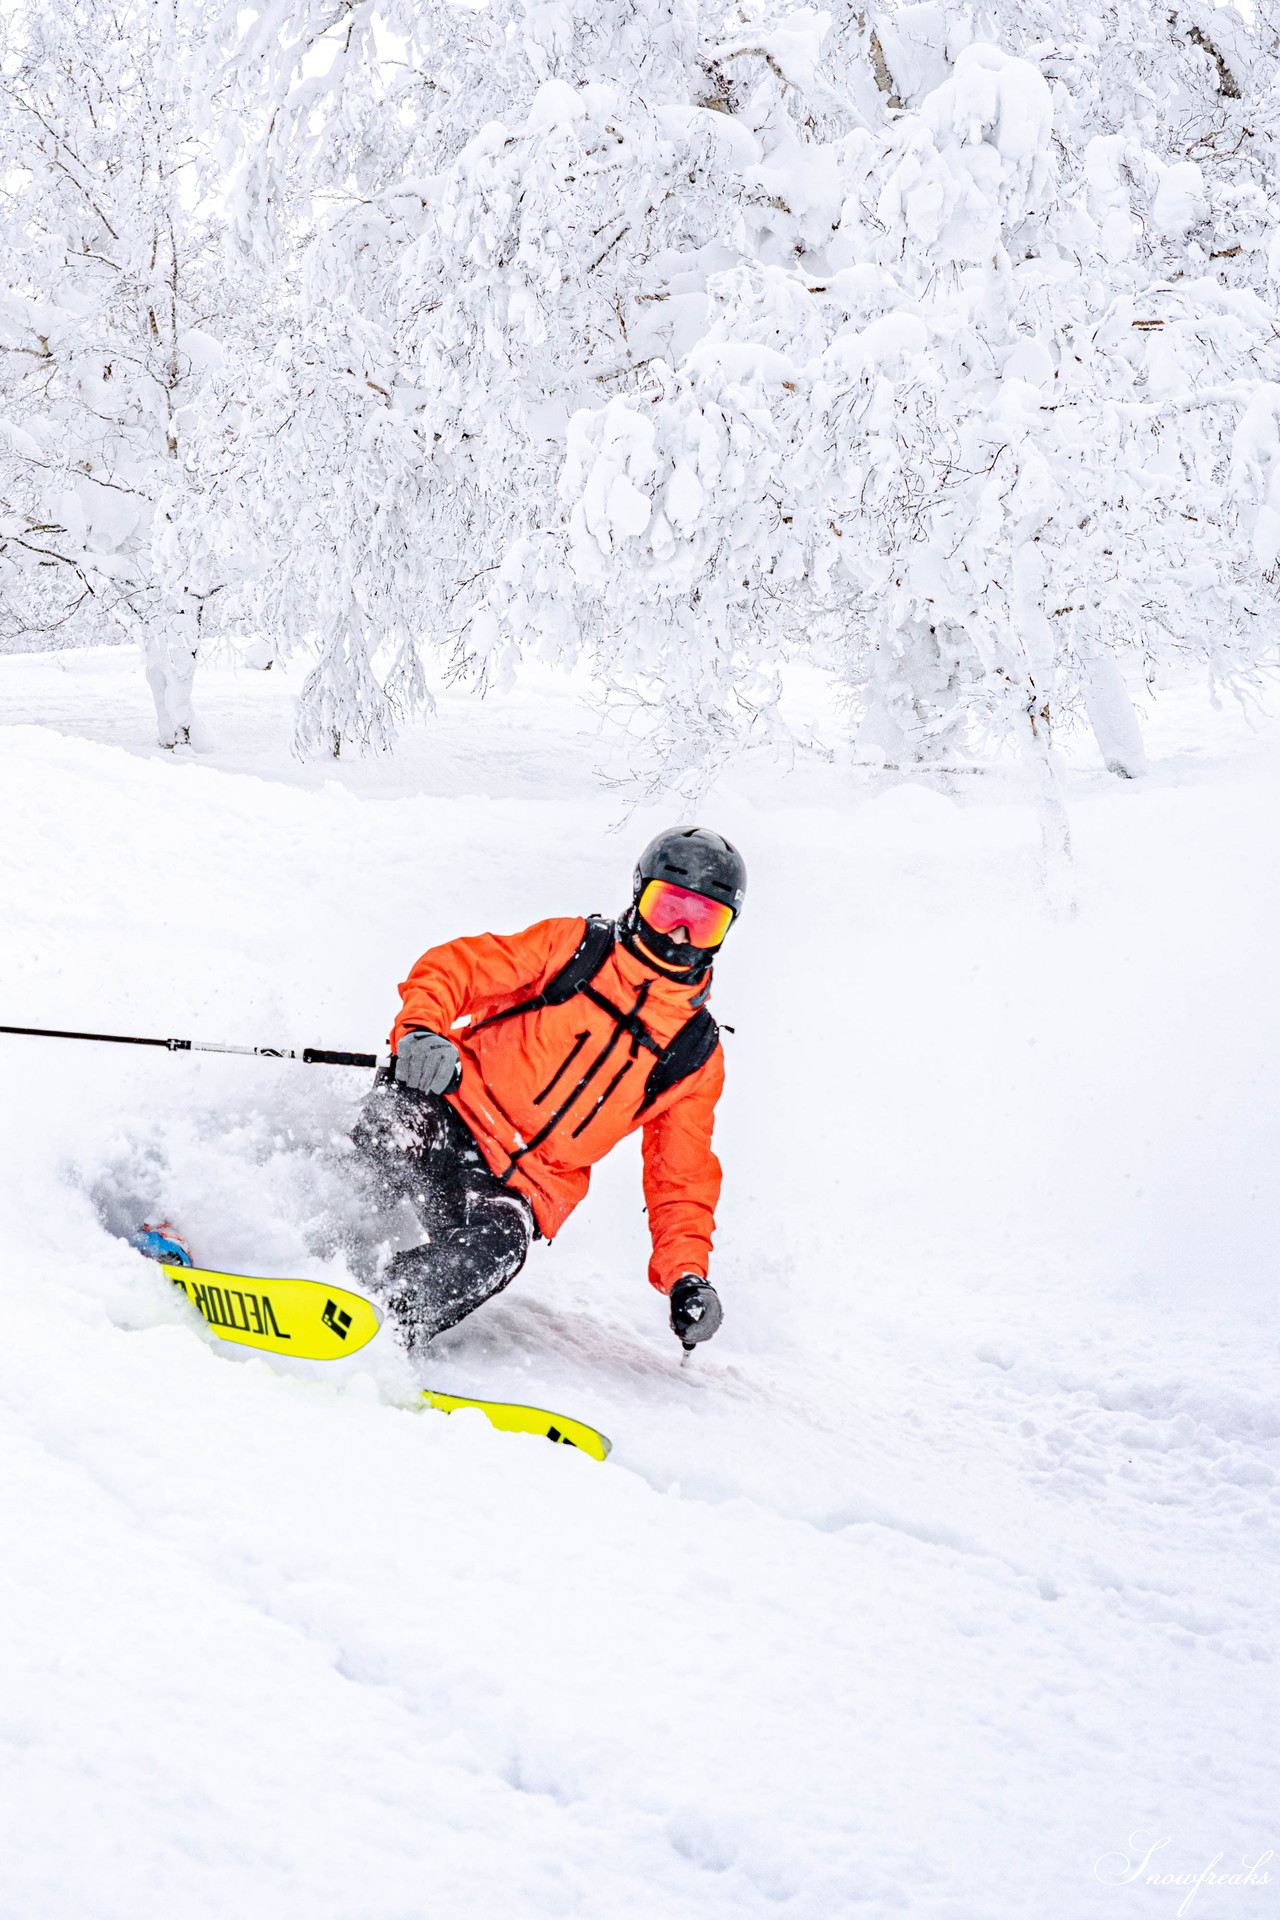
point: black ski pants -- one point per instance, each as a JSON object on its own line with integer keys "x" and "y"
{"x": 478, "y": 1231}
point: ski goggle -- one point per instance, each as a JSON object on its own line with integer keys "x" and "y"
{"x": 664, "y": 907}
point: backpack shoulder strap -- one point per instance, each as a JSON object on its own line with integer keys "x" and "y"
{"x": 577, "y": 972}
{"x": 583, "y": 965}
{"x": 692, "y": 1047}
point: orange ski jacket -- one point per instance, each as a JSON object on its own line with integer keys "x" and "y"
{"x": 573, "y": 1063}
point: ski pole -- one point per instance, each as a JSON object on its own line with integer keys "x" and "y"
{"x": 311, "y": 1056}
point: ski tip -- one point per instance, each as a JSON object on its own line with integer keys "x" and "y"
{"x": 513, "y": 1419}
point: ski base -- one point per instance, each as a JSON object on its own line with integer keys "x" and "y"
{"x": 308, "y": 1319}
{"x": 513, "y": 1419}
{"x": 311, "y": 1320}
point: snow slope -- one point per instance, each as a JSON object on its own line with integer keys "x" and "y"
{"x": 945, "y": 1573}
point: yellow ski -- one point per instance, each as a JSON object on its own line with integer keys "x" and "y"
{"x": 311, "y": 1320}
{"x": 306, "y": 1318}
{"x": 511, "y": 1419}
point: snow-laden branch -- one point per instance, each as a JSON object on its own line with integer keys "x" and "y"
{"x": 933, "y": 350}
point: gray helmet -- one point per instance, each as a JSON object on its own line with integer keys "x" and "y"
{"x": 695, "y": 858}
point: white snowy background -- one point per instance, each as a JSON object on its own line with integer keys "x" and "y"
{"x": 858, "y": 430}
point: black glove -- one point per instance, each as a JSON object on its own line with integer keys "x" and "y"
{"x": 695, "y": 1310}
{"x": 427, "y": 1062}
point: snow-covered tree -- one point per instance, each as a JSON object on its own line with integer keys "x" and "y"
{"x": 465, "y": 282}
{"x": 971, "y": 442}
{"x": 112, "y": 299}
{"x": 911, "y": 342}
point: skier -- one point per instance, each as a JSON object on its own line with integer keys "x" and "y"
{"x": 519, "y": 1061}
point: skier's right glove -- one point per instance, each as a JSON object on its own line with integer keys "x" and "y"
{"x": 427, "y": 1062}
{"x": 695, "y": 1310}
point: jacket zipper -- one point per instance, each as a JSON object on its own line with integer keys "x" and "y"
{"x": 584, "y": 1124}
{"x": 579, "y": 1043}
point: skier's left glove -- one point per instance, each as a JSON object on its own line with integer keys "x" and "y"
{"x": 695, "y": 1310}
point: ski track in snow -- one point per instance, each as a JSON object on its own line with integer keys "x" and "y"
{"x": 948, "y": 1568}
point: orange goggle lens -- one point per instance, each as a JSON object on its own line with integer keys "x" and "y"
{"x": 664, "y": 907}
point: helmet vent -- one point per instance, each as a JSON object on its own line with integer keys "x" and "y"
{"x": 695, "y": 858}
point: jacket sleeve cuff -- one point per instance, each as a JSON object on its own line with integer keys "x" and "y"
{"x": 663, "y": 1282}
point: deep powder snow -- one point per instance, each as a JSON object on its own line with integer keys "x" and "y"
{"x": 947, "y": 1570}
